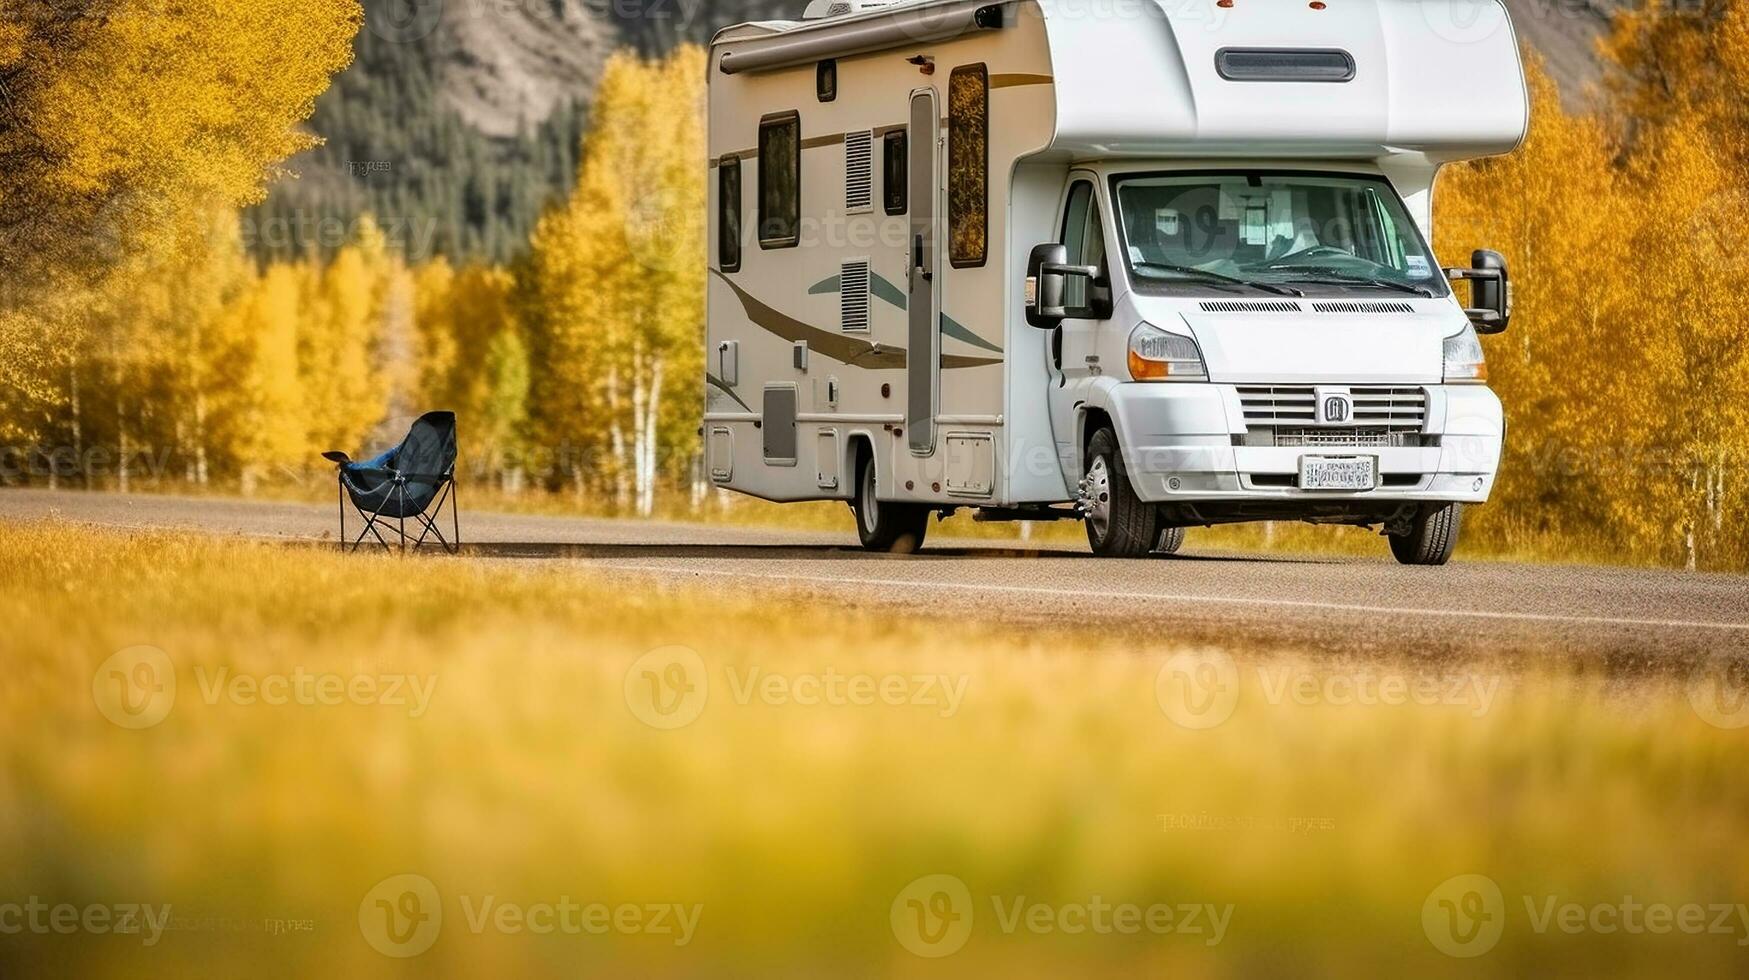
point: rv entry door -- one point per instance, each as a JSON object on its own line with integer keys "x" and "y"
{"x": 923, "y": 360}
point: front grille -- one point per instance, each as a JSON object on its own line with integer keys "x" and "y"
{"x": 1372, "y": 436}
{"x": 1338, "y": 437}
{"x": 1394, "y": 409}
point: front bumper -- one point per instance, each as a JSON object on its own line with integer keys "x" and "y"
{"x": 1185, "y": 443}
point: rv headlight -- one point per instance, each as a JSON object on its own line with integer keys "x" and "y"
{"x": 1156, "y": 355}
{"x": 1464, "y": 363}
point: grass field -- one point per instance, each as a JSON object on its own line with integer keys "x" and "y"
{"x": 352, "y": 766}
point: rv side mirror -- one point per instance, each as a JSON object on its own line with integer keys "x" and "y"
{"x": 1490, "y": 290}
{"x": 1047, "y": 277}
{"x": 1044, "y": 290}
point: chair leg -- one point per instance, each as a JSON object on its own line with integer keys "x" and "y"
{"x": 370, "y": 527}
{"x": 370, "y": 518}
{"x": 401, "y": 511}
{"x": 429, "y": 523}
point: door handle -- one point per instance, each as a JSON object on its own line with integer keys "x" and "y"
{"x": 917, "y": 258}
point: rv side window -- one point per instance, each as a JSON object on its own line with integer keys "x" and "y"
{"x": 894, "y": 167}
{"x": 826, "y": 80}
{"x": 729, "y": 214}
{"x": 968, "y": 159}
{"x": 780, "y": 180}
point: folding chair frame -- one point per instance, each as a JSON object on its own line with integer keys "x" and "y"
{"x": 425, "y": 520}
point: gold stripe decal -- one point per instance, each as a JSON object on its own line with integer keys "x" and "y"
{"x": 849, "y": 350}
{"x": 1015, "y": 79}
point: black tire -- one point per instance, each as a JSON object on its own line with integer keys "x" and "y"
{"x": 890, "y": 527}
{"x": 1119, "y": 524}
{"x": 1432, "y": 535}
{"x": 1171, "y": 539}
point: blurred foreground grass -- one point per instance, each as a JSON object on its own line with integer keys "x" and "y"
{"x": 321, "y": 763}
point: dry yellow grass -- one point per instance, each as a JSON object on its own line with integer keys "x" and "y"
{"x": 525, "y": 759}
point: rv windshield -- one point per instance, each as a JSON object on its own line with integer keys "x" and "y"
{"x": 1320, "y": 234}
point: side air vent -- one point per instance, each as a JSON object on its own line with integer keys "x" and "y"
{"x": 859, "y": 172}
{"x": 1248, "y": 306}
{"x": 1379, "y": 307}
{"x": 853, "y": 296}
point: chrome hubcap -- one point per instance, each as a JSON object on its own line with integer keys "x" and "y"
{"x": 1097, "y": 497}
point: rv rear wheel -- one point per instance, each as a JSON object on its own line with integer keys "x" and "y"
{"x": 888, "y": 526}
{"x": 1431, "y": 536}
{"x": 1119, "y": 524}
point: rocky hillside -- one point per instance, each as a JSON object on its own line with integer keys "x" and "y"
{"x": 1565, "y": 34}
{"x": 502, "y": 66}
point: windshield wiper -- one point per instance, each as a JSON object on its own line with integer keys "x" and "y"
{"x": 1190, "y": 270}
{"x": 1336, "y": 276}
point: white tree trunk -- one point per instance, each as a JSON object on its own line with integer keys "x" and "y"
{"x": 640, "y": 404}
{"x": 616, "y": 436}
{"x": 121, "y": 447}
{"x": 647, "y": 470}
{"x": 200, "y": 467}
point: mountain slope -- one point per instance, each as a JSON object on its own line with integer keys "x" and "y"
{"x": 1566, "y": 36}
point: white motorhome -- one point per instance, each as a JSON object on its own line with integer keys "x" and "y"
{"x": 1149, "y": 264}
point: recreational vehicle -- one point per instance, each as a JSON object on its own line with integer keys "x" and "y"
{"x": 1147, "y": 264}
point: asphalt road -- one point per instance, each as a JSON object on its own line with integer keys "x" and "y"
{"x": 1631, "y": 617}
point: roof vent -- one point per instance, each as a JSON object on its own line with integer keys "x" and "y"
{"x": 1249, "y": 306}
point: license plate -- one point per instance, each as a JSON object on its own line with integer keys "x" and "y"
{"x": 1338, "y": 472}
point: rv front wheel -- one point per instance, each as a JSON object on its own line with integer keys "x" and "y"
{"x": 888, "y": 526}
{"x": 1119, "y": 524}
{"x": 1431, "y": 536}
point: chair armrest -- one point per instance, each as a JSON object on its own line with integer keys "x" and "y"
{"x": 336, "y": 456}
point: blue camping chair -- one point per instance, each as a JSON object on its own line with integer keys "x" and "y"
{"x": 411, "y": 481}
